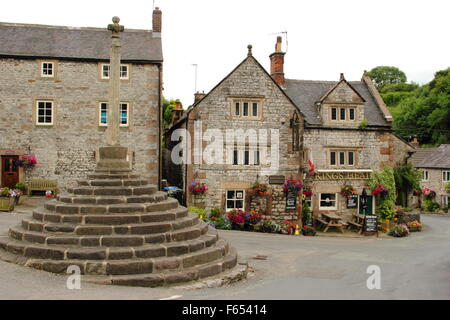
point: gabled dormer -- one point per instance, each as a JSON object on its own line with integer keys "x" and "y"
{"x": 342, "y": 105}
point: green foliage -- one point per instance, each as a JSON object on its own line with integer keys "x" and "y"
{"x": 363, "y": 124}
{"x": 430, "y": 205}
{"x": 384, "y": 75}
{"x": 306, "y": 213}
{"x": 21, "y": 186}
{"x": 407, "y": 179}
{"x": 447, "y": 187}
{"x": 385, "y": 204}
{"x": 168, "y": 106}
{"x": 399, "y": 231}
{"x": 199, "y": 211}
{"x": 426, "y": 113}
{"x": 216, "y": 213}
{"x": 220, "y": 223}
{"x": 270, "y": 226}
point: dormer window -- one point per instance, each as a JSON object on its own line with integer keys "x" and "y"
{"x": 343, "y": 114}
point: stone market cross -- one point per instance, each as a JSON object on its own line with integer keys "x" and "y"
{"x": 113, "y": 130}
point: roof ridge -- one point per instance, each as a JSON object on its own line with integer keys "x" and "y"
{"x": 322, "y": 81}
{"x": 45, "y": 26}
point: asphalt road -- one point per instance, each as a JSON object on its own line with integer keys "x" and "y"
{"x": 416, "y": 267}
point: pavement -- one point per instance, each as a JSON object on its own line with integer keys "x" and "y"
{"x": 286, "y": 268}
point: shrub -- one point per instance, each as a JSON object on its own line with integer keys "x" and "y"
{"x": 270, "y": 226}
{"x": 447, "y": 187}
{"x": 430, "y": 205}
{"x": 21, "y": 186}
{"x": 306, "y": 213}
{"x": 199, "y": 211}
{"x": 215, "y": 212}
{"x": 220, "y": 223}
{"x": 363, "y": 124}
{"x": 386, "y": 193}
{"x": 399, "y": 231}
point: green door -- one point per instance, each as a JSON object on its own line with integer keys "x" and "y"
{"x": 369, "y": 209}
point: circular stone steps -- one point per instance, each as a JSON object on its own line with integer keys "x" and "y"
{"x": 119, "y": 230}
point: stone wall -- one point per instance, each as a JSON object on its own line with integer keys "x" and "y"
{"x": 436, "y": 183}
{"x": 66, "y": 151}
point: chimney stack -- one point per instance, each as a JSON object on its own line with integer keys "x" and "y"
{"x": 199, "y": 96}
{"x": 277, "y": 64}
{"x": 157, "y": 15}
{"x": 177, "y": 112}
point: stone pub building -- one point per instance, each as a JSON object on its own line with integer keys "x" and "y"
{"x": 342, "y": 127}
{"x": 54, "y": 99}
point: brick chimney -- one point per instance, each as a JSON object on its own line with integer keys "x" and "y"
{"x": 277, "y": 64}
{"x": 157, "y": 15}
{"x": 199, "y": 96}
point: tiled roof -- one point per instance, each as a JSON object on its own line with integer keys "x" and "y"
{"x": 22, "y": 40}
{"x": 305, "y": 94}
{"x": 438, "y": 158}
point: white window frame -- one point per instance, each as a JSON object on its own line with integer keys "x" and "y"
{"x": 120, "y": 114}
{"x": 103, "y": 65}
{"x": 43, "y": 75}
{"x": 235, "y": 199}
{"x": 328, "y": 208}
{"x": 425, "y": 175}
{"x": 52, "y": 108}
{"x": 445, "y": 176}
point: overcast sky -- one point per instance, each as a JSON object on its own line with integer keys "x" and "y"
{"x": 325, "y": 37}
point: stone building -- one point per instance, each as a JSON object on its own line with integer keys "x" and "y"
{"x": 434, "y": 163}
{"x": 344, "y": 133}
{"x": 53, "y": 99}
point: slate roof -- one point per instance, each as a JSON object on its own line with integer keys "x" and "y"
{"x": 437, "y": 159}
{"x": 40, "y": 41}
{"x": 305, "y": 94}
{"x": 421, "y": 154}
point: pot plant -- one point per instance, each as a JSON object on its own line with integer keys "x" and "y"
{"x": 7, "y": 199}
{"x": 414, "y": 226}
{"x": 347, "y": 191}
{"x": 260, "y": 189}
{"x": 22, "y": 187}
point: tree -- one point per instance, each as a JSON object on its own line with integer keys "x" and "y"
{"x": 383, "y": 75}
{"x": 407, "y": 179}
{"x": 426, "y": 114}
{"x": 168, "y": 106}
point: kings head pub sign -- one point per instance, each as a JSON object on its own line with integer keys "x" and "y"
{"x": 342, "y": 175}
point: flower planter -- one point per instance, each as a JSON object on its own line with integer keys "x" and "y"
{"x": 7, "y": 204}
{"x": 415, "y": 229}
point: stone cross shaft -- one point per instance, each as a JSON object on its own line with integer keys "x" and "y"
{"x": 113, "y": 130}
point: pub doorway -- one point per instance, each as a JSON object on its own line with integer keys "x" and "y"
{"x": 9, "y": 171}
{"x": 370, "y": 206}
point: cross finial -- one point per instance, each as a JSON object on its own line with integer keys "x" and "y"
{"x": 115, "y": 27}
{"x": 250, "y": 49}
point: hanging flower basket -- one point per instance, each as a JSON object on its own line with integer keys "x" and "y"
{"x": 198, "y": 188}
{"x": 260, "y": 188}
{"x": 307, "y": 191}
{"x": 348, "y": 191}
{"x": 292, "y": 185}
{"x": 27, "y": 162}
{"x": 429, "y": 194}
{"x": 381, "y": 190}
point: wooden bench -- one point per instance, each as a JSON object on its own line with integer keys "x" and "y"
{"x": 42, "y": 185}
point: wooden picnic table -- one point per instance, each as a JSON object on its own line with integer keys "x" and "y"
{"x": 333, "y": 220}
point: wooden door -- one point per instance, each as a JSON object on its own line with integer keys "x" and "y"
{"x": 10, "y": 171}
{"x": 369, "y": 209}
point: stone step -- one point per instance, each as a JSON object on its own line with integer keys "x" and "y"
{"x": 108, "y": 225}
{"x": 43, "y": 215}
{"x": 113, "y": 171}
{"x": 58, "y": 259}
{"x": 84, "y": 238}
{"x": 124, "y": 176}
{"x": 114, "y": 191}
{"x": 156, "y": 197}
{"x": 113, "y": 183}
{"x": 51, "y": 250}
{"x": 169, "y": 278}
{"x": 77, "y": 208}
